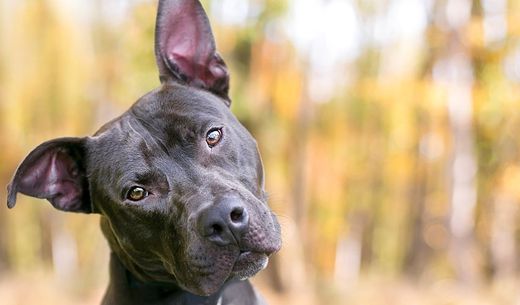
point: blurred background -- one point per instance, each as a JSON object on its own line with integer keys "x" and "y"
{"x": 389, "y": 131}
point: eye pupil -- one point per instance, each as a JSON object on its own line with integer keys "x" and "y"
{"x": 213, "y": 137}
{"x": 137, "y": 193}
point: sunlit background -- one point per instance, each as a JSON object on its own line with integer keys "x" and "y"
{"x": 390, "y": 132}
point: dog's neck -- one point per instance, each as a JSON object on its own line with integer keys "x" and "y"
{"x": 124, "y": 288}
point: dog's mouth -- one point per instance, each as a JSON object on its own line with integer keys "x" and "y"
{"x": 212, "y": 265}
{"x": 248, "y": 264}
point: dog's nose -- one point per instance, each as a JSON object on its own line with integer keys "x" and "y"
{"x": 225, "y": 222}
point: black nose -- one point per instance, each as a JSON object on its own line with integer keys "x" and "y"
{"x": 225, "y": 222}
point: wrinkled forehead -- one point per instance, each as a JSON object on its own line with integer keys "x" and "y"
{"x": 169, "y": 118}
{"x": 177, "y": 104}
{"x": 176, "y": 115}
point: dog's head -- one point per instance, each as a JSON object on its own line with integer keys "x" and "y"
{"x": 177, "y": 179}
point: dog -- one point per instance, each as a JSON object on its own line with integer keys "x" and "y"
{"x": 177, "y": 180}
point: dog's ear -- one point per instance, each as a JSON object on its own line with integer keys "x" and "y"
{"x": 185, "y": 48}
{"x": 55, "y": 170}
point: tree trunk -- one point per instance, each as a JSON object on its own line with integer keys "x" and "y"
{"x": 503, "y": 251}
{"x": 455, "y": 71}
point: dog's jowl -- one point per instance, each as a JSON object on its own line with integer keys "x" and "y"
{"x": 177, "y": 180}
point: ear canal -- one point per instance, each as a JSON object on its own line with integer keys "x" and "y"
{"x": 55, "y": 171}
{"x": 185, "y": 48}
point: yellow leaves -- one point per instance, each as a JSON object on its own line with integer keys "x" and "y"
{"x": 513, "y": 22}
{"x": 48, "y": 64}
{"x": 509, "y": 181}
{"x": 475, "y": 32}
{"x": 225, "y": 37}
{"x": 277, "y": 77}
{"x": 287, "y": 90}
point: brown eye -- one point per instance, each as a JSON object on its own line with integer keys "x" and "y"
{"x": 137, "y": 193}
{"x": 213, "y": 137}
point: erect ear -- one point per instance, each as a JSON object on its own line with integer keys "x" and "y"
{"x": 55, "y": 170}
{"x": 185, "y": 48}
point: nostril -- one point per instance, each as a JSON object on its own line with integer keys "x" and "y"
{"x": 216, "y": 229}
{"x": 236, "y": 214}
{"x": 224, "y": 223}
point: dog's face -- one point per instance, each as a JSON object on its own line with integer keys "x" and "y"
{"x": 177, "y": 179}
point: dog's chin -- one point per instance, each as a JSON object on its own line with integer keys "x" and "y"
{"x": 246, "y": 265}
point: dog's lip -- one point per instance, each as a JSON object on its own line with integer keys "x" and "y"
{"x": 250, "y": 262}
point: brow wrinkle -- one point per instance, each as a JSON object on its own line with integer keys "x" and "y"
{"x": 139, "y": 134}
{"x": 158, "y": 140}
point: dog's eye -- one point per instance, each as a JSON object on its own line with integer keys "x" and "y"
{"x": 137, "y": 193}
{"x": 213, "y": 137}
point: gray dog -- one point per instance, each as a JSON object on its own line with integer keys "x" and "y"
{"x": 177, "y": 180}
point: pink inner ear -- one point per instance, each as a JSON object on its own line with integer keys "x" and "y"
{"x": 187, "y": 42}
{"x": 53, "y": 176}
{"x": 186, "y": 48}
